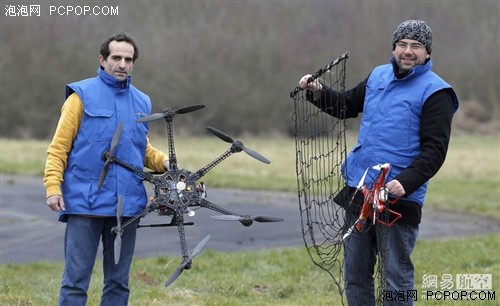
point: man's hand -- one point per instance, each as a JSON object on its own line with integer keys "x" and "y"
{"x": 395, "y": 188}
{"x": 56, "y": 202}
{"x": 312, "y": 86}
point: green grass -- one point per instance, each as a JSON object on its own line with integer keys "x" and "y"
{"x": 469, "y": 182}
{"x": 266, "y": 277}
{"x": 238, "y": 171}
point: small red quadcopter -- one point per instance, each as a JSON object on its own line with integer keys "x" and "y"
{"x": 374, "y": 201}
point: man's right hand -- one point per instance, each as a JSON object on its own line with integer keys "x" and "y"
{"x": 56, "y": 202}
{"x": 312, "y": 86}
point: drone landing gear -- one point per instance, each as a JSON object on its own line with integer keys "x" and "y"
{"x": 163, "y": 224}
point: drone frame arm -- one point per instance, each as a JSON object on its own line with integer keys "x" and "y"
{"x": 172, "y": 158}
{"x": 150, "y": 208}
{"x": 179, "y": 220}
{"x": 209, "y": 205}
{"x": 139, "y": 172}
{"x": 200, "y": 173}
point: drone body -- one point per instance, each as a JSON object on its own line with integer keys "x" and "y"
{"x": 375, "y": 200}
{"x": 177, "y": 191}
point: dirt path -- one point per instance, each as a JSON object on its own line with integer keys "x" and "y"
{"x": 29, "y": 231}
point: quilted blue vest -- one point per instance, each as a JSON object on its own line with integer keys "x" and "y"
{"x": 106, "y": 102}
{"x": 390, "y": 127}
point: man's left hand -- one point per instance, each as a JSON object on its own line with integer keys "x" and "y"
{"x": 395, "y": 188}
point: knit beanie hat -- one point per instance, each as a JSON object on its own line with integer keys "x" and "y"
{"x": 413, "y": 29}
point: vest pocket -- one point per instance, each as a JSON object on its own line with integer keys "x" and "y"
{"x": 372, "y": 98}
{"x": 97, "y": 124}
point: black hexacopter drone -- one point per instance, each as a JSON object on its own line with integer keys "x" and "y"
{"x": 176, "y": 191}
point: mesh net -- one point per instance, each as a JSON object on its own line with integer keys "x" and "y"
{"x": 321, "y": 149}
{"x": 320, "y": 142}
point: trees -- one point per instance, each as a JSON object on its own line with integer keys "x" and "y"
{"x": 241, "y": 59}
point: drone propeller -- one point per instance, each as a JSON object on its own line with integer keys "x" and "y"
{"x": 114, "y": 143}
{"x": 118, "y": 238}
{"x": 187, "y": 261}
{"x": 248, "y": 218}
{"x": 238, "y": 144}
{"x": 170, "y": 112}
{"x": 362, "y": 180}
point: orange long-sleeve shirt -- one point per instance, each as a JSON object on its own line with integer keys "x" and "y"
{"x": 59, "y": 148}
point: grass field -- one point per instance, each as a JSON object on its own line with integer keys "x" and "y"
{"x": 266, "y": 277}
{"x": 469, "y": 182}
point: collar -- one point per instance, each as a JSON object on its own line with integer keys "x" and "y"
{"x": 111, "y": 81}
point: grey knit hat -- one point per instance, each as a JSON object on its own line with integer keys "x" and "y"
{"x": 413, "y": 29}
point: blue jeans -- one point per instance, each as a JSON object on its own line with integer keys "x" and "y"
{"x": 81, "y": 242}
{"x": 360, "y": 250}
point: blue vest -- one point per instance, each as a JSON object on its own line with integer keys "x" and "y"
{"x": 390, "y": 127}
{"x": 106, "y": 102}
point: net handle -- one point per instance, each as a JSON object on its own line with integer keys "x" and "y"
{"x": 321, "y": 71}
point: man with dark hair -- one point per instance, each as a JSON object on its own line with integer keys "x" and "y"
{"x": 93, "y": 110}
{"x": 407, "y": 113}
{"x": 119, "y": 38}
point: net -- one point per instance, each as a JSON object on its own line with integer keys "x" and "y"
{"x": 321, "y": 148}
